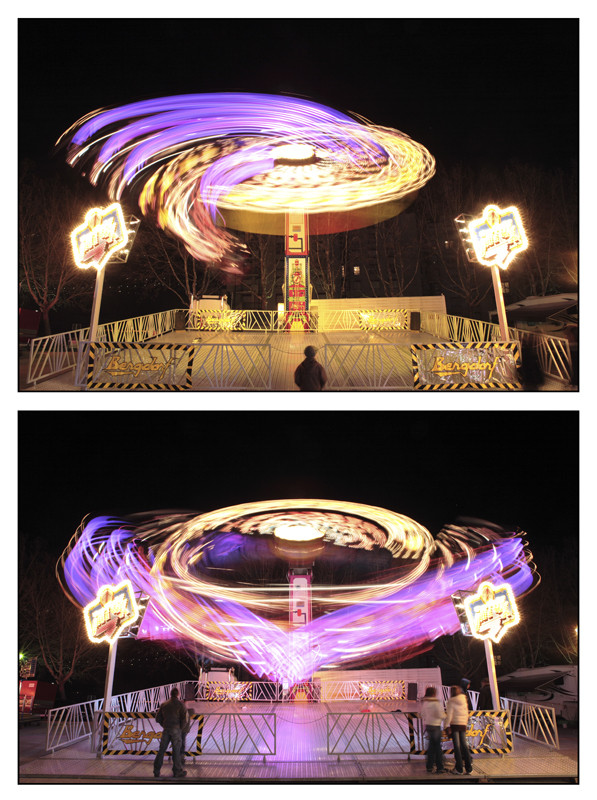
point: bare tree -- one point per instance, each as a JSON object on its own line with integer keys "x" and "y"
{"x": 49, "y": 209}
{"x": 464, "y": 655}
{"x": 449, "y": 194}
{"x": 399, "y": 254}
{"x": 50, "y": 625}
{"x": 267, "y": 260}
{"x": 173, "y": 268}
{"x": 548, "y": 204}
{"x": 329, "y": 262}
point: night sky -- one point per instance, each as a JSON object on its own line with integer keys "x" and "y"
{"x": 504, "y": 467}
{"x": 477, "y": 90}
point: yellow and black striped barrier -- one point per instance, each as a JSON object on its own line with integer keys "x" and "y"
{"x": 449, "y": 366}
{"x": 111, "y": 359}
{"x": 487, "y": 732}
{"x": 133, "y": 731}
{"x": 383, "y": 690}
{"x": 240, "y": 690}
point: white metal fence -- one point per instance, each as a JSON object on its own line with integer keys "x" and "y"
{"x": 232, "y": 366}
{"x": 328, "y": 320}
{"x": 70, "y": 724}
{"x": 357, "y": 366}
{"x": 537, "y": 723}
{"x": 254, "y": 691}
{"x": 552, "y": 352}
{"x": 251, "y": 320}
{"x": 367, "y": 733}
{"x": 226, "y": 733}
{"x": 373, "y": 319}
{"x": 235, "y": 367}
{"x": 73, "y": 723}
{"x": 233, "y": 734}
{"x": 368, "y": 366}
{"x": 55, "y": 354}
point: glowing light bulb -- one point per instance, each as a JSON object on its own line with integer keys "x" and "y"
{"x": 288, "y": 153}
{"x": 295, "y": 532}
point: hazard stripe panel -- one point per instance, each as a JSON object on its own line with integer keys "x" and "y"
{"x": 97, "y": 347}
{"x": 155, "y": 734}
{"x": 419, "y": 382}
{"x": 487, "y": 732}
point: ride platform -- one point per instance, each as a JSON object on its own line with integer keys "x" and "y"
{"x": 301, "y": 756}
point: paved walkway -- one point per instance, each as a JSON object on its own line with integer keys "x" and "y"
{"x": 529, "y": 762}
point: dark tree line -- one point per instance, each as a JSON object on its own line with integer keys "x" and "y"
{"x": 416, "y": 253}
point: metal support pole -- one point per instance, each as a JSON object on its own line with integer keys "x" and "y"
{"x": 499, "y": 301}
{"x": 97, "y": 301}
{"x": 491, "y": 674}
{"x": 107, "y": 692}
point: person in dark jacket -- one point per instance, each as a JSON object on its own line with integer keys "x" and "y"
{"x": 172, "y": 716}
{"x": 485, "y": 701}
{"x": 465, "y": 685}
{"x": 310, "y": 376}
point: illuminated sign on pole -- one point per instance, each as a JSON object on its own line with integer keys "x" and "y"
{"x": 491, "y": 611}
{"x": 497, "y": 236}
{"x": 101, "y": 235}
{"x": 113, "y": 610}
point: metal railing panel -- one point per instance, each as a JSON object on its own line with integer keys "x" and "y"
{"x": 214, "y": 366}
{"x": 341, "y": 690}
{"x": 259, "y": 320}
{"x": 368, "y": 366}
{"x": 239, "y": 734}
{"x": 553, "y": 354}
{"x": 335, "y": 320}
{"x": 71, "y": 724}
{"x": 359, "y": 319}
{"x": 487, "y": 732}
{"x": 534, "y": 722}
{"x": 226, "y": 733}
{"x": 215, "y": 320}
{"x": 52, "y": 355}
{"x": 369, "y": 733}
{"x": 233, "y": 366}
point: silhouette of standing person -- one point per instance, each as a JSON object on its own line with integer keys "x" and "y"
{"x": 310, "y": 376}
{"x": 172, "y": 716}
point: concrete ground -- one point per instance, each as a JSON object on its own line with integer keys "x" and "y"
{"x": 528, "y": 763}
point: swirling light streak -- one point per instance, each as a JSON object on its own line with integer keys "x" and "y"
{"x": 189, "y": 156}
{"x": 403, "y": 609}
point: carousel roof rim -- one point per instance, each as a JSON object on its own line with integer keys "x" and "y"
{"x": 320, "y": 222}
